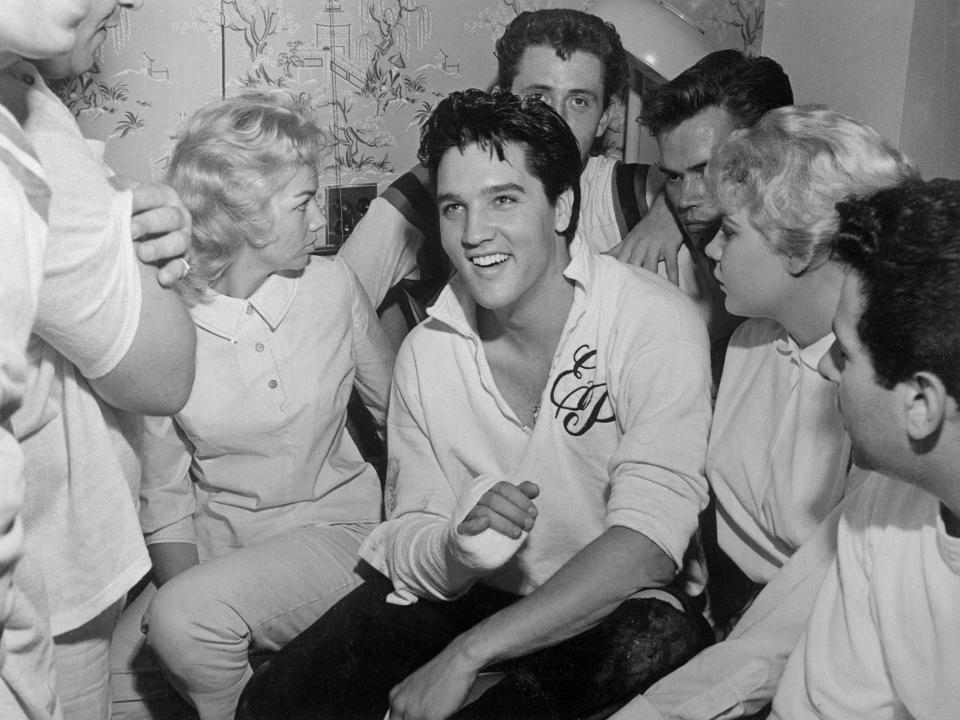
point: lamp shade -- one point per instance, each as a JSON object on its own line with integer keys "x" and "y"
{"x": 660, "y": 39}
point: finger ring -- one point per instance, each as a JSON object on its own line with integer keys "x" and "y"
{"x": 186, "y": 265}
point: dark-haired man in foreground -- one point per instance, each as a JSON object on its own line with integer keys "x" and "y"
{"x": 884, "y": 637}
{"x": 547, "y": 429}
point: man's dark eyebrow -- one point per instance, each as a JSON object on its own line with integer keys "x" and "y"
{"x": 446, "y": 197}
{"x": 491, "y": 190}
{"x": 700, "y": 168}
{"x": 571, "y": 91}
{"x": 582, "y": 91}
{"x": 505, "y": 187}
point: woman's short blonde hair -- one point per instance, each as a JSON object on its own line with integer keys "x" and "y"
{"x": 232, "y": 157}
{"x": 791, "y": 170}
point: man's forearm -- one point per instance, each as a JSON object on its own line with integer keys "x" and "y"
{"x": 171, "y": 558}
{"x": 577, "y": 597}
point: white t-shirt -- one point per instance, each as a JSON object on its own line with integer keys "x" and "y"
{"x": 24, "y": 198}
{"x": 883, "y": 642}
{"x": 79, "y": 513}
{"x": 261, "y": 446}
{"x": 26, "y": 655}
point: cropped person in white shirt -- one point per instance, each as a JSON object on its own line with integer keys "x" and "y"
{"x": 30, "y": 29}
{"x": 778, "y": 460}
{"x": 106, "y": 337}
{"x": 883, "y": 641}
{"x": 254, "y": 498}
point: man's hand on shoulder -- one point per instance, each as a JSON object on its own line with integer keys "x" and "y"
{"x": 161, "y": 227}
{"x": 156, "y": 374}
{"x": 656, "y": 238}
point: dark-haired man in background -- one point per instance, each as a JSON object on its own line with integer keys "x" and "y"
{"x": 693, "y": 114}
{"x": 690, "y": 117}
{"x": 547, "y": 429}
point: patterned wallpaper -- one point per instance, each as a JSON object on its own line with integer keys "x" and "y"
{"x": 373, "y": 69}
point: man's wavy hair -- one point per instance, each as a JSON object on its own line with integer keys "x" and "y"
{"x": 746, "y": 87}
{"x": 791, "y": 170}
{"x": 567, "y": 32}
{"x": 494, "y": 120}
{"x": 231, "y": 159}
{"x": 904, "y": 245}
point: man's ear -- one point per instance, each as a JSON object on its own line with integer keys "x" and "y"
{"x": 926, "y": 405}
{"x": 564, "y": 211}
{"x": 609, "y": 113}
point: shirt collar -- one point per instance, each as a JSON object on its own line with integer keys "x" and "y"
{"x": 948, "y": 545}
{"x": 456, "y": 307}
{"x": 223, "y": 315}
{"x": 811, "y": 354}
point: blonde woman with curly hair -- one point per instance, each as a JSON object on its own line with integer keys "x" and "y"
{"x": 778, "y": 456}
{"x": 255, "y": 499}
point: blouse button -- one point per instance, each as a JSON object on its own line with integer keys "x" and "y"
{"x": 259, "y": 347}
{"x": 249, "y": 309}
{"x": 272, "y": 384}
{"x": 29, "y": 79}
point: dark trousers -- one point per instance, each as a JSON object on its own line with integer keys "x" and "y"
{"x": 346, "y": 663}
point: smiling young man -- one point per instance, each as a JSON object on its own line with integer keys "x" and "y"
{"x": 547, "y": 433}
{"x": 883, "y": 640}
{"x": 574, "y": 62}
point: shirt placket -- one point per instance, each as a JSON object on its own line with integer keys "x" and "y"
{"x": 255, "y": 347}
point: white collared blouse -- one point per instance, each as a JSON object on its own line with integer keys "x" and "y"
{"x": 261, "y": 446}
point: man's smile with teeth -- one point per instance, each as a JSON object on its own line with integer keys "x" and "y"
{"x": 488, "y": 260}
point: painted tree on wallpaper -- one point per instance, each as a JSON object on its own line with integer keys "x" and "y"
{"x": 372, "y": 81}
{"x": 93, "y": 95}
{"x": 744, "y": 17}
{"x": 495, "y": 19}
{"x": 386, "y": 43}
{"x": 353, "y": 68}
{"x": 260, "y": 24}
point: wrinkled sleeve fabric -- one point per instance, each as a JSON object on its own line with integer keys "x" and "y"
{"x": 90, "y": 299}
{"x": 167, "y": 501}
{"x": 412, "y": 547}
{"x": 373, "y": 353}
{"x": 658, "y": 487}
{"x": 383, "y": 247}
{"x": 24, "y": 198}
